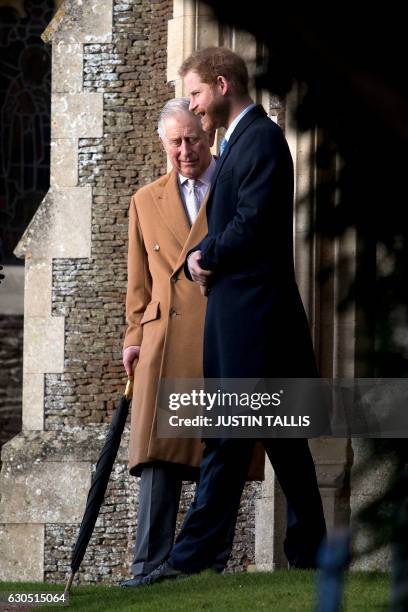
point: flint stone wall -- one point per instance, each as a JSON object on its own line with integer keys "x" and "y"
{"x": 11, "y": 373}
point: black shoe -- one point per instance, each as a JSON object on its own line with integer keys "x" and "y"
{"x": 163, "y": 572}
{"x": 132, "y": 582}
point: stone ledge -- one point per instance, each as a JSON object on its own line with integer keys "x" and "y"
{"x": 79, "y": 21}
{"x": 74, "y": 445}
{"x": 61, "y": 227}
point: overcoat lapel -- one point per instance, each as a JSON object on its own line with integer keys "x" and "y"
{"x": 257, "y": 111}
{"x": 171, "y": 209}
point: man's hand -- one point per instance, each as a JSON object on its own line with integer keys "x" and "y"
{"x": 198, "y": 275}
{"x": 129, "y": 355}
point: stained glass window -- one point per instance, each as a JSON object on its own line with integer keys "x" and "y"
{"x": 25, "y": 100}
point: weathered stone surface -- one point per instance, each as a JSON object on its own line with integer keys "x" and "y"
{"x": 33, "y": 400}
{"x": 42, "y": 351}
{"x": 70, "y": 445}
{"x": 44, "y": 492}
{"x": 60, "y": 227}
{"x": 38, "y": 288}
{"x": 80, "y": 21}
{"x": 67, "y": 62}
{"x": 270, "y": 524}
{"x": 181, "y": 44}
{"x": 21, "y": 553}
{"x": 64, "y": 163}
{"x": 76, "y": 115}
{"x": 331, "y": 456}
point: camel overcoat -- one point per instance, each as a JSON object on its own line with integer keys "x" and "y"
{"x": 165, "y": 314}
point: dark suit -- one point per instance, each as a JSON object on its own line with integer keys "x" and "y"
{"x": 255, "y": 327}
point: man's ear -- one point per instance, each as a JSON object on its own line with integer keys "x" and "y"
{"x": 222, "y": 84}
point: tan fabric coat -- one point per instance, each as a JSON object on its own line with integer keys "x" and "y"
{"x": 165, "y": 314}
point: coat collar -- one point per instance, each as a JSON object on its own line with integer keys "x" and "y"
{"x": 254, "y": 113}
{"x": 170, "y": 206}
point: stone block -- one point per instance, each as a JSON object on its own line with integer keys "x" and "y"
{"x": 61, "y": 227}
{"x": 21, "y": 553}
{"x": 38, "y": 288}
{"x": 78, "y": 21}
{"x": 44, "y": 492}
{"x": 181, "y": 40}
{"x": 33, "y": 401}
{"x": 77, "y": 115}
{"x": 326, "y": 450}
{"x": 183, "y": 8}
{"x": 331, "y": 459}
{"x": 67, "y": 60}
{"x": 270, "y": 524}
{"x": 64, "y": 163}
{"x": 43, "y": 345}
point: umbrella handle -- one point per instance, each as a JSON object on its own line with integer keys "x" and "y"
{"x": 129, "y": 388}
{"x": 69, "y": 584}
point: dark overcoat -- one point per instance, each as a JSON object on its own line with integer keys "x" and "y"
{"x": 255, "y": 323}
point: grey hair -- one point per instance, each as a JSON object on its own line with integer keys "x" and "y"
{"x": 171, "y": 108}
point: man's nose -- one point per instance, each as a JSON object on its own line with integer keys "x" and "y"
{"x": 192, "y": 105}
{"x": 185, "y": 147}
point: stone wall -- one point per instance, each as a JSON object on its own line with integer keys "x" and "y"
{"x": 131, "y": 73}
{"x": 11, "y": 373}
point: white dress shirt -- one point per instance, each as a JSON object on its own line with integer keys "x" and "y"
{"x": 202, "y": 185}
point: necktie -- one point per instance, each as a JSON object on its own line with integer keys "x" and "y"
{"x": 192, "y": 199}
{"x": 223, "y": 145}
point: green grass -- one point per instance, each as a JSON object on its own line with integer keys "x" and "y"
{"x": 280, "y": 591}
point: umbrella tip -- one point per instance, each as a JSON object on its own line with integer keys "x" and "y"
{"x": 68, "y": 585}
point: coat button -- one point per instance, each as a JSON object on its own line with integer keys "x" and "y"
{"x": 172, "y": 312}
{"x": 156, "y": 247}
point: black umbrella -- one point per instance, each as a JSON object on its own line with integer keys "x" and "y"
{"x": 100, "y": 481}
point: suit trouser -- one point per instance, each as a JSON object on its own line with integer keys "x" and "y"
{"x": 222, "y": 477}
{"x": 159, "y": 498}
